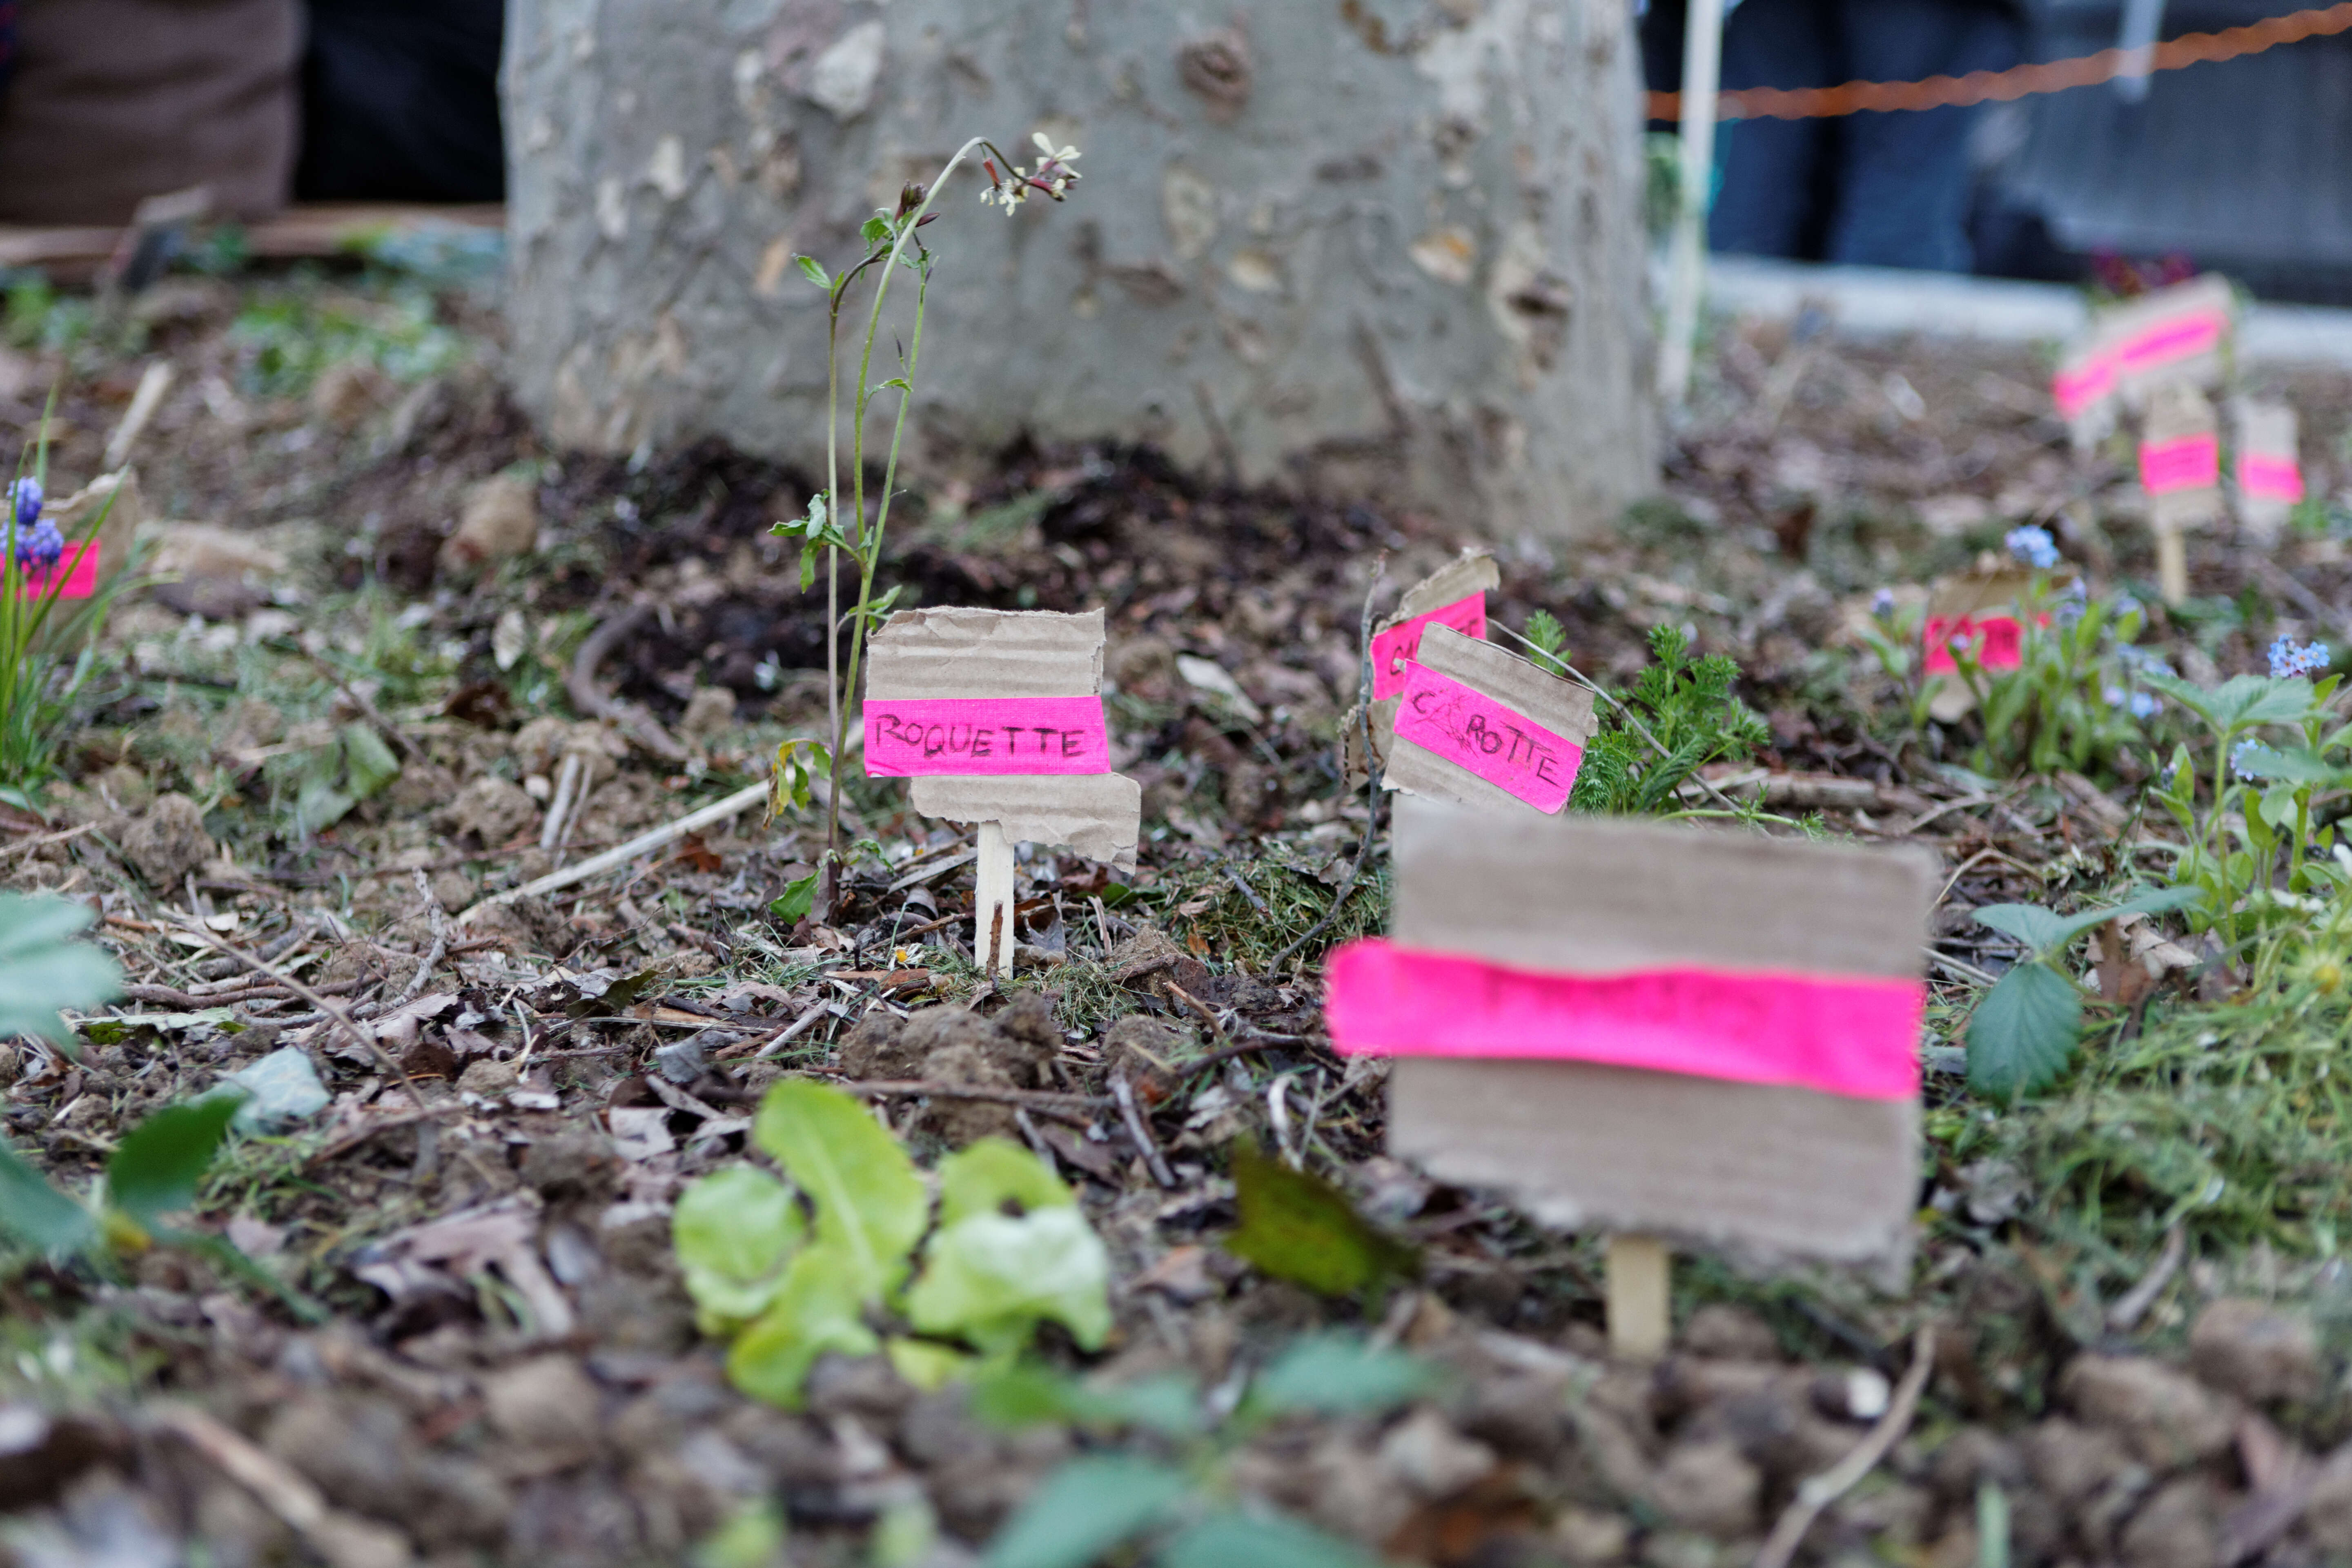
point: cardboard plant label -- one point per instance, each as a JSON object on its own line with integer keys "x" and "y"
{"x": 2269, "y": 465}
{"x": 78, "y": 568}
{"x": 2173, "y": 334}
{"x": 1479, "y": 726}
{"x": 2180, "y": 458}
{"x": 1696, "y": 1033}
{"x": 1455, "y": 595}
{"x": 987, "y": 735}
{"x": 1997, "y": 642}
{"x": 1394, "y": 650}
{"x": 997, "y": 716}
{"x": 1981, "y": 606}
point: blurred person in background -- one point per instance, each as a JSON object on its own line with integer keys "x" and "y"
{"x": 1870, "y": 189}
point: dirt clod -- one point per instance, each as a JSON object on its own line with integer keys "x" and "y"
{"x": 498, "y": 521}
{"x": 490, "y": 812}
{"x": 2167, "y": 1418}
{"x": 168, "y": 840}
{"x": 2254, "y": 1352}
{"x": 546, "y": 1403}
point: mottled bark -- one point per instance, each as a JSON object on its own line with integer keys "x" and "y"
{"x": 1372, "y": 248}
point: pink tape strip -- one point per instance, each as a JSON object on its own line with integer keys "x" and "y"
{"x": 912, "y": 737}
{"x": 2085, "y": 386}
{"x": 1396, "y": 646}
{"x": 1839, "y": 1035}
{"x": 1998, "y": 642}
{"x": 1472, "y": 731}
{"x": 2169, "y": 342}
{"x": 2269, "y": 479}
{"x": 81, "y": 569}
{"x": 2190, "y": 463}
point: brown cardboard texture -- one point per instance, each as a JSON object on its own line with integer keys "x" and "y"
{"x": 2266, "y": 430}
{"x": 1472, "y": 572}
{"x": 2175, "y": 410}
{"x": 2211, "y": 292}
{"x": 1768, "y": 1172}
{"x": 1992, "y": 587}
{"x": 1561, "y": 706}
{"x": 957, "y": 652}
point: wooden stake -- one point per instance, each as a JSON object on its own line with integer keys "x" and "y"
{"x": 991, "y": 940}
{"x": 1687, "y": 255}
{"x": 1638, "y": 1272}
{"x": 2171, "y": 566}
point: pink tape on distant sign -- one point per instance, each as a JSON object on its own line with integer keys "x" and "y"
{"x": 80, "y": 571}
{"x": 1472, "y": 731}
{"x": 1998, "y": 642}
{"x": 988, "y": 736}
{"x": 2269, "y": 479}
{"x": 2077, "y": 388}
{"x": 2188, "y": 463}
{"x": 1396, "y": 646}
{"x": 1843, "y": 1034}
{"x": 2167, "y": 342}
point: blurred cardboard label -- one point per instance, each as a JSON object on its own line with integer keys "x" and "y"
{"x": 1479, "y": 726}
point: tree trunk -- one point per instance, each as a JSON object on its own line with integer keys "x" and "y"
{"x": 1390, "y": 248}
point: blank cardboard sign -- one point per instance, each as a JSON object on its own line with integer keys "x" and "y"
{"x": 1630, "y": 1026}
{"x": 996, "y": 716}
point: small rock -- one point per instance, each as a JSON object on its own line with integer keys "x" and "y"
{"x": 1733, "y": 1333}
{"x": 1708, "y": 1486}
{"x": 217, "y": 573}
{"x": 282, "y": 1090}
{"x": 546, "y": 1403}
{"x": 168, "y": 841}
{"x": 2255, "y": 1351}
{"x": 488, "y": 1079}
{"x": 710, "y": 713}
{"x": 1428, "y": 1455}
{"x": 498, "y": 521}
{"x": 2168, "y": 1418}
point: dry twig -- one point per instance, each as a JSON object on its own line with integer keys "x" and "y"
{"x": 1816, "y": 1493}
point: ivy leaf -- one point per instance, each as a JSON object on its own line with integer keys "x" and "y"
{"x": 989, "y": 1279}
{"x": 36, "y": 1213}
{"x": 733, "y": 1231}
{"x": 156, "y": 1169}
{"x": 1085, "y": 1509}
{"x": 43, "y": 969}
{"x": 870, "y": 1205}
{"x": 2022, "y": 1033}
{"x": 1244, "y": 1541}
{"x": 1299, "y": 1227}
{"x": 986, "y": 1175}
{"x": 1340, "y": 1374}
{"x": 816, "y": 1309}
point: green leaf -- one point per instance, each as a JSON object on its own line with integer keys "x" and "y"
{"x": 370, "y": 762}
{"x": 1299, "y": 1227}
{"x": 1339, "y": 1375}
{"x": 156, "y": 1169}
{"x": 813, "y": 272}
{"x": 991, "y": 1277}
{"x": 816, "y": 1310}
{"x": 2022, "y": 1033}
{"x": 874, "y": 230}
{"x": 2241, "y": 702}
{"x": 870, "y": 1205}
{"x": 2036, "y": 927}
{"x": 792, "y": 905}
{"x": 1085, "y": 1509}
{"x": 986, "y": 1175}
{"x": 38, "y": 1215}
{"x": 43, "y": 969}
{"x": 2294, "y": 765}
{"x": 926, "y": 1365}
{"x": 733, "y": 1231}
{"x": 1245, "y": 1540}
{"x": 752, "y": 1537}
{"x": 1028, "y": 1394}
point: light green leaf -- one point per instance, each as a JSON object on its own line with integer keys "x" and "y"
{"x": 870, "y": 1205}
{"x": 1244, "y": 1541}
{"x": 816, "y": 1310}
{"x": 926, "y": 1365}
{"x": 1340, "y": 1374}
{"x": 1085, "y": 1509}
{"x": 792, "y": 905}
{"x": 370, "y": 762}
{"x": 734, "y": 1230}
{"x": 2036, "y": 927}
{"x": 874, "y": 230}
{"x": 1299, "y": 1227}
{"x": 814, "y": 273}
{"x": 986, "y": 1175}
{"x": 156, "y": 1169}
{"x": 990, "y": 1277}
{"x": 1029, "y": 1396}
{"x": 2045, "y": 932}
{"x": 2294, "y": 765}
{"x": 38, "y": 1215}
{"x": 2022, "y": 1033}
{"x": 43, "y": 969}
{"x": 2241, "y": 702}
{"x": 752, "y": 1537}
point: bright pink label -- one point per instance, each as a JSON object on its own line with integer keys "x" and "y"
{"x": 2169, "y": 342}
{"x": 2084, "y": 386}
{"x": 2269, "y": 479}
{"x": 1472, "y": 731}
{"x": 1401, "y": 644}
{"x": 1839, "y": 1035}
{"x": 80, "y": 571}
{"x": 918, "y": 736}
{"x": 2190, "y": 463}
{"x": 1997, "y": 642}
